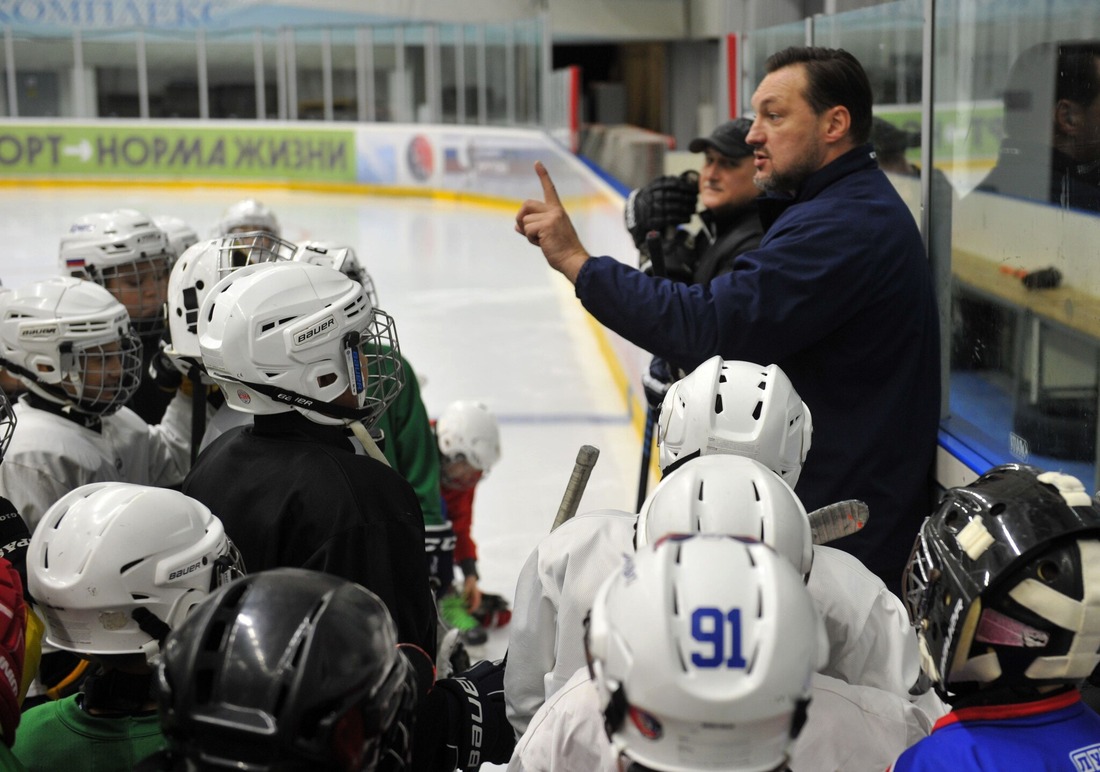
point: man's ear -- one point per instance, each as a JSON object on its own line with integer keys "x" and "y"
{"x": 1067, "y": 117}
{"x": 836, "y": 122}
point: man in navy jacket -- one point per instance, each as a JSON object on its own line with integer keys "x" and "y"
{"x": 838, "y": 294}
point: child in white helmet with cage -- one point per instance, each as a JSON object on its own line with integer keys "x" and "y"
{"x": 151, "y": 555}
{"x": 72, "y": 345}
{"x": 126, "y": 252}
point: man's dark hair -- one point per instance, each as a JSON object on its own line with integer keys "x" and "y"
{"x": 834, "y": 77}
{"x": 1044, "y": 74}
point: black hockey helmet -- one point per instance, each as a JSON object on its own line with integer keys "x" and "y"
{"x": 288, "y": 669}
{"x": 1003, "y": 584}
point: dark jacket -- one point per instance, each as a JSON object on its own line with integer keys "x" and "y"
{"x": 723, "y": 239}
{"x": 839, "y": 294}
{"x": 292, "y": 492}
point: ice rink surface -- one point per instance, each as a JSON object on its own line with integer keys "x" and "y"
{"x": 479, "y": 315}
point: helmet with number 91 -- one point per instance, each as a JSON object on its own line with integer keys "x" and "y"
{"x": 466, "y": 428}
{"x": 702, "y": 650}
{"x": 1003, "y": 584}
{"x": 738, "y": 408}
{"x": 70, "y": 342}
{"x": 151, "y": 555}
{"x": 729, "y": 495}
{"x": 124, "y": 251}
{"x": 288, "y": 669}
{"x": 294, "y": 336}
{"x": 196, "y": 272}
{"x": 343, "y": 259}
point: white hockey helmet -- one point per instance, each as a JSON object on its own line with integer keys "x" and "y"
{"x": 343, "y": 259}
{"x": 466, "y": 428}
{"x": 69, "y": 341}
{"x": 246, "y": 216}
{"x": 702, "y": 650}
{"x": 180, "y": 235}
{"x": 729, "y": 495}
{"x": 284, "y": 336}
{"x": 197, "y": 270}
{"x": 739, "y": 408}
{"x": 114, "y": 566}
{"x": 124, "y": 251}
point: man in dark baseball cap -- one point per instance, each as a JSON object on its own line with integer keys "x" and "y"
{"x": 728, "y": 139}
{"x": 696, "y": 250}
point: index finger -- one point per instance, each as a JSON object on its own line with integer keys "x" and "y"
{"x": 549, "y": 192}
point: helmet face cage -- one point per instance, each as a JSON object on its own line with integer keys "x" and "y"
{"x": 104, "y": 377}
{"x": 702, "y": 650}
{"x": 380, "y": 351}
{"x": 993, "y": 556}
{"x": 7, "y": 423}
{"x": 315, "y": 682}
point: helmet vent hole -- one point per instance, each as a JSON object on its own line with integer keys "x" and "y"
{"x": 997, "y": 509}
{"x": 718, "y": 404}
{"x": 721, "y": 377}
{"x": 130, "y": 565}
{"x": 326, "y": 380}
{"x": 756, "y": 491}
{"x": 951, "y": 520}
{"x": 1048, "y": 571}
{"x": 758, "y": 410}
{"x": 699, "y": 492}
{"x": 762, "y": 385}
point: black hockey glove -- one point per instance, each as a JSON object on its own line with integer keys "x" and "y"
{"x": 664, "y": 202}
{"x": 656, "y": 380}
{"x": 462, "y": 724}
{"x": 679, "y": 255}
{"x": 439, "y": 545}
{"x": 163, "y": 371}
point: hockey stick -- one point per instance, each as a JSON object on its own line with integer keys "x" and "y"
{"x": 835, "y": 520}
{"x": 657, "y": 263}
{"x": 574, "y": 489}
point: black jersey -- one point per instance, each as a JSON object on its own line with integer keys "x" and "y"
{"x": 292, "y": 492}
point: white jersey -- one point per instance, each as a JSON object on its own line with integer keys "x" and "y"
{"x": 870, "y": 640}
{"x": 51, "y": 455}
{"x": 554, "y": 593}
{"x": 847, "y": 728}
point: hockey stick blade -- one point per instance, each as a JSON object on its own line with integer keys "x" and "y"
{"x": 574, "y": 489}
{"x": 835, "y": 520}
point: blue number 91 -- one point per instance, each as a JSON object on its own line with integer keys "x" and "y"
{"x": 708, "y": 626}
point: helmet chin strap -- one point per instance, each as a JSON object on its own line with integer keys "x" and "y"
{"x": 306, "y": 403}
{"x": 369, "y": 445}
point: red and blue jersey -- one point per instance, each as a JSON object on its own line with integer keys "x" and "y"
{"x": 1056, "y": 733}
